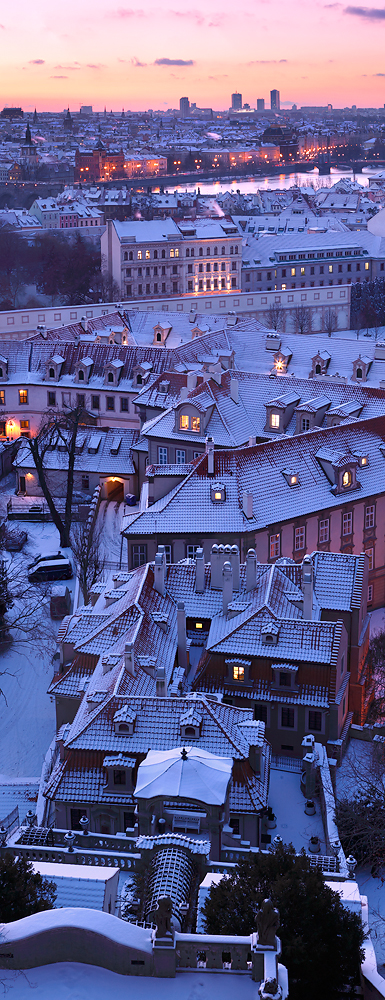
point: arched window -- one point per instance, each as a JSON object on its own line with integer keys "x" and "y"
{"x": 110, "y": 377}
{"x": 236, "y": 250}
{"x": 123, "y": 727}
{"x": 187, "y": 252}
{"x": 215, "y": 251}
{"x": 346, "y": 478}
{"x": 208, "y": 252}
{"x": 201, "y": 251}
{"x": 125, "y": 255}
{"x": 189, "y": 731}
{"x": 51, "y": 373}
{"x": 81, "y": 375}
{"x": 139, "y": 379}
{"x": 231, "y": 249}
{"x": 223, "y": 251}
{"x": 318, "y": 369}
{"x": 359, "y": 373}
{"x": 131, "y": 255}
{"x": 163, "y": 254}
{"x": 155, "y": 255}
{"x": 159, "y": 337}
{"x": 200, "y": 268}
{"x": 192, "y": 252}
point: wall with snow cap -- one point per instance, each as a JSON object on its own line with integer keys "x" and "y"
{"x": 76, "y": 934}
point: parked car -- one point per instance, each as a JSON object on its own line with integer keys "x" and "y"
{"x": 60, "y": 603}
{"x": 14, "y": 540}
{"x": 130, "y": 500}
{"x": 50, "y": 555}
{"x": 51, "y": 569}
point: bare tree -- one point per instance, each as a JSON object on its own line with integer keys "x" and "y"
{"x": 330, "y": 321}
{"x": 88, "y": 550}
{"x": 302, "y": 319}
{"x": 276, "y": 317}
{"x": 24, "y": 608}
{"x": 360, "y": 812}
{"x": 58, "y": 428}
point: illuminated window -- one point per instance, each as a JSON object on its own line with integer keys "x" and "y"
{"x": 366, "y": 265}
{"x": 196, "y": 424}
{"x": 198, "y": 625}
{"x": 218, "y": 496}
{"x": 184, "y": 421}
{"x": 177, "y": 252}
{"x": 238, "y": 673}
{"x": 148, "y": 255}
{"x": 171, "y": 253}
{"x": 293, "y": 272}
{"x": 346, "y": 478}
{"x": 274, "y": 420}
{"x": 302, "y": 272}
{"x": 293, "y": 480}
{"x": 370, "y": 555}
{"x": 139, "y": 254}
{"x": 330, "y": 268}
{"x": 23, "y": 397}
{"x": 275, "y": 546}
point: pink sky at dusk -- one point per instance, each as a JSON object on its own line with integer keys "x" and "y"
{"x": 137, "y": 57}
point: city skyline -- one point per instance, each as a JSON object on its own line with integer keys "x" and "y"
{"x": 145, "y": 57}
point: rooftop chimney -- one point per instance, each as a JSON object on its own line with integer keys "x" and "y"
{"x": 161, "y": 682}
{"x": 252, "y": 441}
{"x": 181, "y": 627}
{"x": 251, "y": 570}
{"x": 210, "y": 455}
{"x": 227, "y": 578}
{"x": 234, "y": 387}
{"x": 129, "y": 658}
{"x": 160, "y": 571}
{"x": 216, "y": 568}
{"x": 199, "y": 571}
{"x": 184, "y": 392}
{"x": 191, "y": 380}
{"x": 234, "y": 559}
{"x": 247, "y": 504}
{"x": 307, "y": 588}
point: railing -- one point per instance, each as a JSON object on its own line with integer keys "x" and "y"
{"x": 196, "y": 951}
{"x": 47, "y": 844}
{"x": 11, "y": 822}
{"x": 286, "y": 763}
{"x": 22, "y": 508}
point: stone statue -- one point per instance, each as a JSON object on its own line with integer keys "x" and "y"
{"x": 162, "y": 916}
{"x": 270, "y": 990}
{"x": 267, "y": 923}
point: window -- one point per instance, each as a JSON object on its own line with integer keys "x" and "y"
{"x": 24, "y": 428}
{"x": 190, "y": 286}
{"x": 234, "y": 823}
{"x": 167, "y": 552}
{"x": 238, "y": 672}
{"x": 119, "y": 777}
{"x": 369, "y": 516}
{"x": 330, "y": 268}
{"x": 139, "y": 254}
{"x": 155, "y": 255}
{"x": 51, "y": 398}
{"x": 156, "y": 287}
{"x": 302, "y": 272}
{"x": 208, "y": 268}
{"x": 80, "y": 399}
{"x": 23, "y": 397}
{"x": 85, "y": 482}
{"x": 128, "y": 289}
{"x": 260, "y": 713}
{"x": 347, "y": 523}
{"x": 95, "y": 402}
{"x": 299, "y": 539}
{"x": 76, "y": 815}
{"x": 292, "y": 271}
{"x": 2, "y": 397}
{"x": 162, "y": 456}
{"x": 370, "y": 594}
{"x": 110, "y": 377}
{"x": 184, "y": 421}
{"x": 195, "y": 424}
{"x": 275, "y": 546}
{"x": 180, "y": 456}
{"x": 287, "y": 718}
{"x": 233, "y": 282}
{"x": 284, "y": 679}
{"x": 139, "y": 555}
{"x": 234, "y": 266}
{"x": 51, "y": 372}
{"x": 110, "y": 402}
{"x": 315, "y": 721}
{"x": 370, "y": 555}
{"x": 274, "y": 420}
{"x": 163, "y": 254}
{"x": 223, "y": 267}
{"x": 140, "y": 289}
{"x": 190, "y": 269}
{"x": 305, "y": 423}
{"x": 175, "y": 286}
{"x": 148, "y": 255}
{"x": 323, "y": 530}
{"x": 346, "y": 478}
{"x": 123, "y": 405}
{"x": 191, "y": 551}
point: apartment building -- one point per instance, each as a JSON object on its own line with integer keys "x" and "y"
{"x": 311, "y": 259}
{"x": 161, "y": 257}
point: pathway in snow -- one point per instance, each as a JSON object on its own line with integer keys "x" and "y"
{"x": 110, "y": 520}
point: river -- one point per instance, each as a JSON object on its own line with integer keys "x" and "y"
{"x": 278, "y": 182}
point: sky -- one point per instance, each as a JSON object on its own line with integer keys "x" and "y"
{"x": 109, "y": 53}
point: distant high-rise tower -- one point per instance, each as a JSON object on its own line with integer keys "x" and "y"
{"x": 184, "y": 106}
{"x": 275, "y": 101}
{"x": 236, "y": 102}
{"x": 260, "y": 104}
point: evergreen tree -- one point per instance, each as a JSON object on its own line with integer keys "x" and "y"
{"x": 321, "y": 940}
{"x": 22, "y": 891}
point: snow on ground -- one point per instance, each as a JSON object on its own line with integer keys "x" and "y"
{"x": 377, "y": 621}
{"x": 288, "y": 804}
{"x": 110, "y": 520}
{"x": 72, "y": 981}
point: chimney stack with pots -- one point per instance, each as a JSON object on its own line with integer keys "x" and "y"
{"x": 199, "y": 571}
{"x": 227, "y": 577}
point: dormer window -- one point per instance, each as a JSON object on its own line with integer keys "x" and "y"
{"x": 189, "y": 423}
{"x": 191, "y": 724}
{"x": 346, "y": 478}
{"x": 238, "y": 673}
{"x": 359, "y": 373}
{"x": 293, "y": 480}
{"x": 51, "y": 372}
{"x": 218, "y": 493}
{"x": 292, "y": 477}
{"x": 110, "y": 377}
{"x": 269, "y": 634}
{"x": 124, "y": 721}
